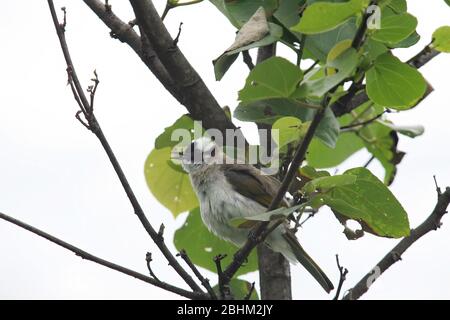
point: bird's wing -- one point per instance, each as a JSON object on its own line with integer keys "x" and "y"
{"x": 250, "y": 183}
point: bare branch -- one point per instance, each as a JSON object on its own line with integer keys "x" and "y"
{"x": 125, "y": 33}
{"x": 433, "y": 222}
{"x": 149, "y": 259}
{"x": 342, "y": 277}
{"x": 204, "y": 281}
{"x": 88, "y": 256}
{"x": 94, "y": 126}
{"x": 224, "y": 288}
{"x": 250, "y": 292}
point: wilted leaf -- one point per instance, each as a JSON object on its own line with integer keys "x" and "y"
{"x": 253, "y": 30}
{"x": 224, "y": 62}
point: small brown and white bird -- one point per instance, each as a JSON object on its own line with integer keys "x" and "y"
{"x": 236, "y": 191}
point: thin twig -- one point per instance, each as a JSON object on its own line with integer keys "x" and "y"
{"x": 149, "y": 259}
{"x": 204, "y": 281}
{"x": 90, "y": 257}
{"x": 433, "y": 222}
{"x": 363, "y": 123}
{"x": 342, "y": 277}
{"x": 250, "y": 292}
{"x": 224, "y": 288}
{"x": 311, "y": 67}
{"x": 94, "y": 126}
{"x": 369, "y": 161}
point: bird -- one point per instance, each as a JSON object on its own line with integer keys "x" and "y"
{"x": 228, "y": 191}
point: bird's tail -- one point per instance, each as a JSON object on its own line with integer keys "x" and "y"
{"x": 307, "y": 262}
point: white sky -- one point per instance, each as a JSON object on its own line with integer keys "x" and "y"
{"x": 54, "y": 174}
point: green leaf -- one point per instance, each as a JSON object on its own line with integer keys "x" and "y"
{"x": 325, "y": 16}
{"x": 226, "y": 60}
{"x": 317, "y": 46}
{"x": 270, "y": 110}
{"x": 447, "y": 2}
{"x": 165, "y": 139}
{"x": 345, "y": 64}
{"x": 326, "y": 183}
{"x": 395, "y": 28}
{"x": 288, "y": 12}
{"x": 441, "y": 39}
{"x": 171, "y": 187}
{"x": 239, "y": 288}
{"x": 399, "y": 6}
{"x": 290, "y": 129}
{"x": 382, "y": 142}
{"x": 321, "y": 156}
{"x": 408, "y": 42}
{"x": 370, "y": 201}
{"x": 273, "y": 78}
{"x": 394, "y": 84}
{"x": 239, "y": 11}
{"x": 202, "y": 246}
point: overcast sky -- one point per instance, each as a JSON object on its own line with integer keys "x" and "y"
{"x": 55, "y": 175}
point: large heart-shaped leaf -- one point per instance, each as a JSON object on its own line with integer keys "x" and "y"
{"x": 275, "y": 77}
{"x": 394, "y": 84}
{"x": 165, "y": 139}
{"x": 202, "y": 246}
{"x": 325, "y": 16}
{"x": 370, "y": 201}
{"x": 169, "y": 184}
{"x": 395, "y": 28}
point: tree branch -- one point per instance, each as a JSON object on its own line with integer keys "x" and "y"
{"x": 197, "y": 98}
{"x": 94, "y": 126}
{"x": 204, "y": 281}
{"x": 125, "y": 33}
{"x": 433, "y": 222}
{"x": 342, "y": 277}
{"x": 88, "y": 256}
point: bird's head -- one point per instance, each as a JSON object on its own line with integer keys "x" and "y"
{"x": 200, "y": 153}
